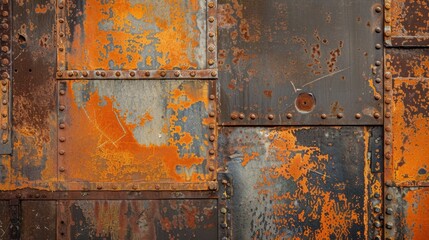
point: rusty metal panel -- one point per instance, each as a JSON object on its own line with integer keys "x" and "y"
{"x": 406, "y": 23}
{"x": 6, "y": 71}
{"x": 153, "y": 135}
{"x": 38, "y": 220}
{"x": 4, "y": 220}
{"x": 33, "y": 163}
{"x": 300, "y": 62}
{"x": 130, "y": 34}
{"x": 163, "y": 219}
{"x": 303, "y": 183}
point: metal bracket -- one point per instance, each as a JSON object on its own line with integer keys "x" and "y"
{"x": 224, "y": 204}
{"x": 15, "y": 219}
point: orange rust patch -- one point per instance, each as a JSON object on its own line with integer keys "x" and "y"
{"x": 416, "y": 216}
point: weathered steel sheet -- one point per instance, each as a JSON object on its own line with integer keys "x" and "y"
{"x": 129, "y": 34}
{"x": 303, "y": 183}
{"x": 33, "y": 163}
{"x": 154, "y": 135}
{"x": 300, "y": 62}
{"x": 38, "y": 220}
{"x": 406, "y": 120}
{"x": 163, "y": 219}
{"x": 407, "y": 23}
{"x": 4, "y": 220}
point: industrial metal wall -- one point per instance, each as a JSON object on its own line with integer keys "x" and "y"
{"x": 205, "y": 119}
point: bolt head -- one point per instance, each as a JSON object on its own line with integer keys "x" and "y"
{"x": 270, "y": 116}
{"x": 323, "y": 116}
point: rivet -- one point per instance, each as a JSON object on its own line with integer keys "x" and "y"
{"x": 212, "y": 138}
{"x": 377, "y": 63}
{"x": 61, "y": 49}
{"x": 5, "y": 38}
{"x": 389, "y": 225}
{"x": 62, "y": 108}
{"x": 234, "y": 116}
{"x": 241, "y": 116}
{"x": 212, "y": 126}
{"x": 387, "y": 88}
{"x": 212, "y": 152}
{"x": 157, "y": 186}
{"x": 59, "y": 74}
{"x": 62, "y": 139}
{"x": 377, "y": 210}
{"x": 99, "y": 187}
{"x": 132, "y": 74}
{"x": 378, "y": 9}
{"x": 378, "y": 46}
{"x": 377, "y": 224}
{"x": 387, "y": 115}
{"x": 61, "y": 20}
{"x": 193, "y": 73}
{"x": 61, "y": 34}
{"x": 377, "y": 30}
{"x": 177, "y": 73}
{"x": 340, "y": 115}
{"x": 5, "y": 61}
{"x": 97, "y": 73}
{"x": 387, "y": 6}
{"x": 387, "y": 141}
{"x": 5, "y": 13}
{"x": 211, "y": 168}
{"x": 323, "y": 116}
{"x": 85, "y": 73}
{"x": 358, "y": 116}
{"x": 103, "y": 74}
{"x": 134, "y": 187}
{"x": 4, "y": 126}
{"x": 61, "y": 6}
{"x": 388, "y": 129}
{"x": 4, "y": 82}
{"x": 211, "y": 4}
{"x": 211, "y": 61}
{"x": 4, "y": 89}
{"x": 147, "y": 73}
{"x": 211, "y": 34}
{"x": 289, "y": 115}
{"x": 387, "y": 100}
{"x": 378, "y": 80}
{"x": 5, "y": 26}
{"x": 212, "y": 97}
{"x": 163, "y": 73}
{"x": 214, "y": 74}
{"x": 211, "y": 48}
{"x": 224, "y": 181}
{"x": 5, "y": 75}
{"x": 212, "y": 114}
{"x": 270, "y": 116}
{"x": 5, "y": 48}
{"x": 37, "y": 195}
{"x": 4, "y": 114}
{"x": 387, "y": 19}
{"x": 388, "y": 75}
{"x": 389, "y": 197}
{"x": 389, "y": 211}
{"x": 223, "y": 210}
{"x": 62, "y": 152}
{"x": 376, "y": 115}
{"x": 70, "y": 74}
{"x": 118, "y": 74}
{"x": 62, "y": 126}
{"x": 388, "y": 155}
{"x": 211, "y": 19}
{"x": 4, "y": 102}
{"x": 114, "y": 187}
{"x": 377, "y": 96}
{"x": 252, "y": 116}
{"x": 62, "y": 169}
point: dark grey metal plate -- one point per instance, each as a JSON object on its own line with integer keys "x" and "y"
{"x": 272, "y": 51}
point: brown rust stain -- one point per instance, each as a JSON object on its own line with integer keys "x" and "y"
{"x": 409, "y": 18}
{"x": 101, "y": 141}
{"x": 411, "y": 129}
{"x": 134, "y": 35}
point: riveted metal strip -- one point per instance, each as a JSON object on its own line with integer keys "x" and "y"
{"x": 388, "y": 22}
{"x": 62, "y": 91}
{"x": 212, "y": 34}
{"x": 137, "y": 74}
{"x": 6, "y": 72}
{"x": 15, "y": 219}
{"x": 63, "y": 222}
{"x": 61, "y": 30}
{"x": 388, "y": 149}
{"x": 391, "y": 212}
{"x": 224, "y": 206}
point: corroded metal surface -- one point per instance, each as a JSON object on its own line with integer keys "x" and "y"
{"x": 406, "y": 23}
{"x": 136, "y": 135}
{"x": 6, "y": 71}
{"x": 302, "y": 183}
{"x": 270, "y": 52}
{"x": 38, "y": 220}
{"x": 163, "y": 219}
{"x": 135, "y": 35}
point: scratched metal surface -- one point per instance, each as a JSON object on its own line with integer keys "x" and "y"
{"x": 272, "y": 54}
{"x": 151, "y": 134}
{"x": 406, "y": 23}
{"x": 129, "y": 34}
{"x": 302, "y": 183}
{"x": 38, "y": 220}
{"x": 162, "y": 219}
{"x": 4, "y": 220}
